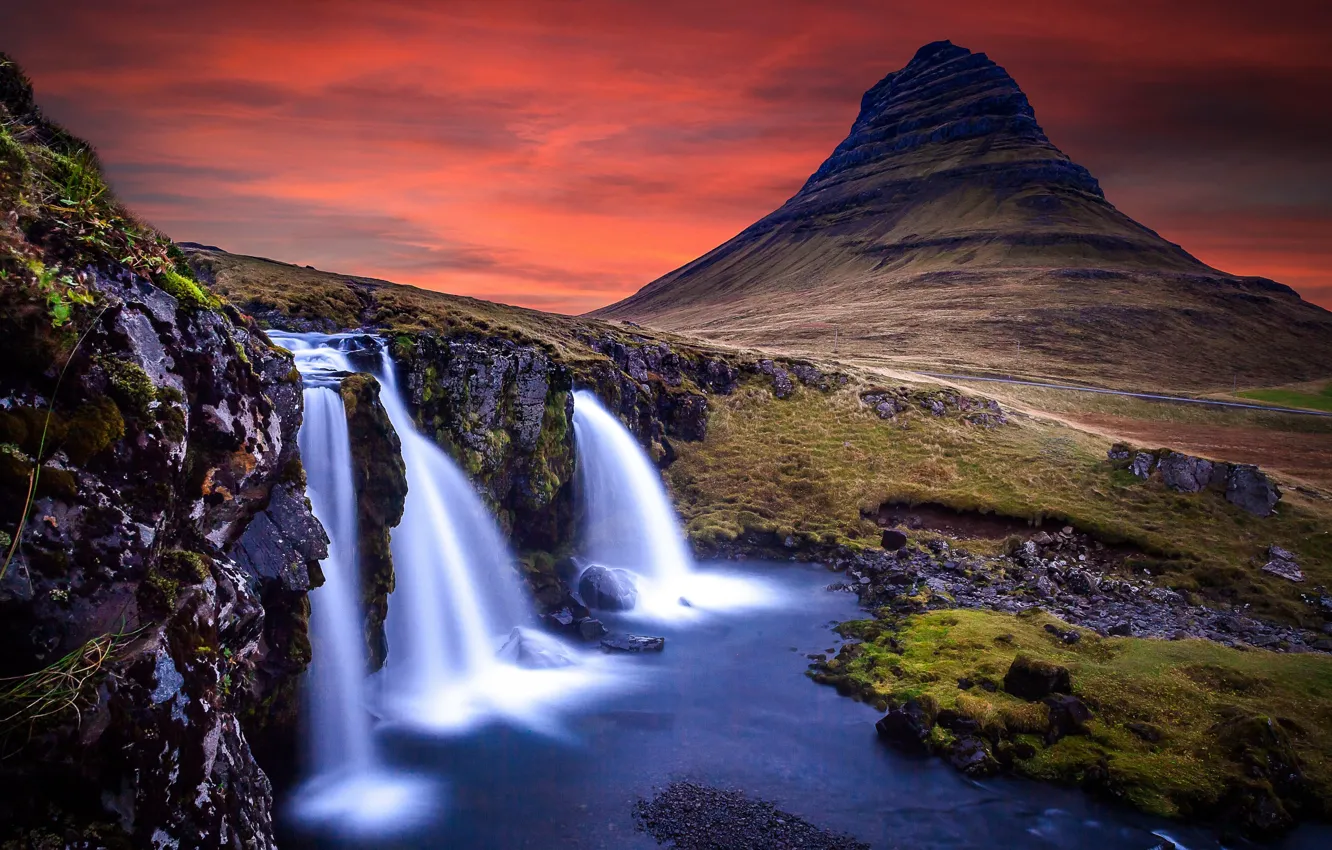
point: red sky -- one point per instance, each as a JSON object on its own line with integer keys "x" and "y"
{"x": 562, "y": 154}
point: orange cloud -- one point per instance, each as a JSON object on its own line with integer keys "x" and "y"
{"x": 560, "y": 155}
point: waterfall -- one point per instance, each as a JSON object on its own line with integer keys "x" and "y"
{"x": 629, "y": 522}
{"x": 456, "y": 584}
{"x": 340, "y": 726}
{"x": 349, "y": 786}
{"x": 458, "y": 599}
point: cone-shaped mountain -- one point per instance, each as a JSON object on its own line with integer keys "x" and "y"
{"x": 947, "y": 230}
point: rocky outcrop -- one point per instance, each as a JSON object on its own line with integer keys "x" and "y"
{"x": 659, "y": 393}
{"x": 1079, "y": 580}
{"x": 165, "y": 559}
{"x": 504, "y": 411}
{"x": 380, "y": 478}
{"x": 1244, "y": 485}
{"x": 888, "y": 403}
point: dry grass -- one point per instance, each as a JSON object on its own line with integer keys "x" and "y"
{"x": 68, "y": 685}
{"x": 810, "y": 466}
{"x": 266, "y": 286}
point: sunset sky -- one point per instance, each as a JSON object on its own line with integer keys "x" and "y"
{"x": 560, "y": 155}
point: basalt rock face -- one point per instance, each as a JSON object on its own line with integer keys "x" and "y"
{"x": 380, "y": 477}
{"x": 658, "y": 392}
{"x": 948, "y": 214}
{"x": 169, "y": 547}
{"x": 504, "y": 411}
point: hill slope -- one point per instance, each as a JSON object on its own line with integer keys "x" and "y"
{"x": 947, "y": 229}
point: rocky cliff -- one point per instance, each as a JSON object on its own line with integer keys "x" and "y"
{"x": 157, "y": 545}
{"x": 381, "y": 494}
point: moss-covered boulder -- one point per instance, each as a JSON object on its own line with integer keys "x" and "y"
{"x": 380, "y": 478}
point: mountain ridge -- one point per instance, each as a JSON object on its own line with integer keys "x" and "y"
{"x": 946, "y": 195}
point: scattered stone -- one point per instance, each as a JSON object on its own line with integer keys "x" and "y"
{"x": 696, "y": 817}
{"x": 560, "y": 620}
{"x": 591, "y": 629}
{"x": 1068, "y": 716}
{"x": 633, "y": 643}
{"x": 1185, "y": 473}
{"x": 607, "y": 588}
{"x": 1282, "y": 563}
{"x": 1032, "y": 679}
{"x": 1121, "y": 629}
{"x": 1142, "y": 464}
{"x": 972, "y": 757}
{"x": 906, "y": 727}
{"x": 893, "y": 540}
{"x": 1250, "y": 490}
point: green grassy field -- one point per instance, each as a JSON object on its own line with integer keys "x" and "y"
{"x": 1313, "y": 400}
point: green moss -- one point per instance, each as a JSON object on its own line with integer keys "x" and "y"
{"x": 186, "y": 566}
{"x": 94, "y": 427}
{"x": 131, "y": 387}
{"x": 1226, "y": 716}
{"x": 160, "y": 591}
{"x": 185, "y": 290}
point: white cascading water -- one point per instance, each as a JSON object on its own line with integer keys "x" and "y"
{"x": 630, "y": 524}
{"x": 457, "y": 596}
{"x": 349, "y": 785}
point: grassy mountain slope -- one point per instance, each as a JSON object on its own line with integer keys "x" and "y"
{"x": 947, "y": 231}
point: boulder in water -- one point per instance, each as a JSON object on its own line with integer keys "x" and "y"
{"x": 534, "y": 651}
{"x": 590, "y": 628}
{"x": 633, "y": 643}
{"x": 608, "y": 588}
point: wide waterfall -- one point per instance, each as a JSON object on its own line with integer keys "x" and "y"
{"x": 349, "y": 785}
{"x": 458, "y": 598}
{"x": 630, "y": 524}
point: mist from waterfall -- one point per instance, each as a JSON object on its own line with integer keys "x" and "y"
{"x": 629, "y": 522}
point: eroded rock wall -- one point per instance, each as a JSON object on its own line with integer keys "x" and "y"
{"x": 381, "y": 494}
{"x": 163, "y": 569}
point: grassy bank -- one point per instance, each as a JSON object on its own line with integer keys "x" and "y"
{"x": 1179, "y": 728}
{"x": 809, "y": 466}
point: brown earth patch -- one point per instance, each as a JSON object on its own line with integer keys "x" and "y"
{"x": 1307, "y": 457}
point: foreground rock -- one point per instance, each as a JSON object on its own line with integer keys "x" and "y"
{"x": 533, "y": 651}
{"x": 607, "y": 588}
{"x": 696, "y": 817}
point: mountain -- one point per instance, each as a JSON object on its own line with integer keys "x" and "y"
{"x": 947, "y": 231}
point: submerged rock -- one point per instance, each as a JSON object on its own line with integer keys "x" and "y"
{"x": 633, "y": 643}
{"x": 906, "y": 727}
{"x": 534, "y": 651}
{"x": 608, "y": 588}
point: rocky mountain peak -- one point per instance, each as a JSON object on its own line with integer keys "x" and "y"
{"x": 946, "y": 102}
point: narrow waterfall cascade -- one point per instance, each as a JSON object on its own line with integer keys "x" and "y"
{"x": 629, "y": 523}
{"x": 458, "y": 598}
{"x": 349, "y": 785}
